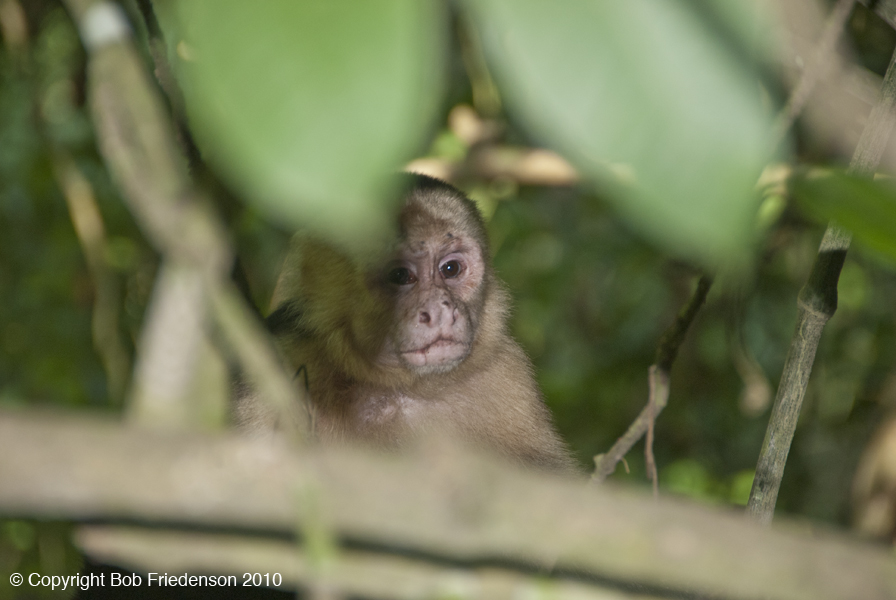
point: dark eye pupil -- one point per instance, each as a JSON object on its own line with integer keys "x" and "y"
{"x": 450, "y": 269}
{"x": 400, "y": 276}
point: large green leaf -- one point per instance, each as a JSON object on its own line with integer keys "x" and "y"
{"x": 865, "y": 207}
{"x": 305, "y": 107}
{"x": 644, "y": 83}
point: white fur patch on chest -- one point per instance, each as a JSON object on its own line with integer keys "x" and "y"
{"x": 382, "y": 409}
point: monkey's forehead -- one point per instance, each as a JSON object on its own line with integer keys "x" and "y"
{"x": 435, "y": 222}
{"x": 443, "y": 202}
{"x": 438, "y": 245}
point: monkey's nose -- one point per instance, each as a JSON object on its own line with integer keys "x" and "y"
{"x": 437, "y": 314}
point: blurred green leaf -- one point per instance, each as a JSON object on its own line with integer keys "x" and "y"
{"x": 647, "y": 86}
{"x": 448, "y": 146}
{"x": 747, "y": 28}
{"x": 853, "y": 289}
{"x": 21, "y": 534}
{"x": 688, "y": 477}
{"x": 865, "y": 207}
{"x": 306, "y": 107}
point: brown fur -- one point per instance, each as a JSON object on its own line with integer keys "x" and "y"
{"x": 350, "y": 328}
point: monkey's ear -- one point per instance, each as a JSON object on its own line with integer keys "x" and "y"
{"x": 311, "y": 265}
{"x": 288, "y": 281}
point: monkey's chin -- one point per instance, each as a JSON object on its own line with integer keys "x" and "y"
{"x": 439, "y": 357}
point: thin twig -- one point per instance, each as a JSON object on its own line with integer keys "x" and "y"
{"x": 88, "y": 224}
{"x": 164, "y": 74}
{"x": 658, "y": 381}
{"x": 658, "y": 378}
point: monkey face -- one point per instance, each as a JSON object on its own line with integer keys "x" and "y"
{"x": 389, "y": 318}
{"x": 401, "y": 344}
{"x": 435, "y": 285}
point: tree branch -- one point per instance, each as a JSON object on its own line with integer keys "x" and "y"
{"x": 817, "y": 303}
{"x": 135, "y": 137}
{"x": 91, "y": 232}
{"x": 444, "y": 508}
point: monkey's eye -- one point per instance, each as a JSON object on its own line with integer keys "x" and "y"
{"x": 401, "y": 276}
{"x": 451, "y": 269}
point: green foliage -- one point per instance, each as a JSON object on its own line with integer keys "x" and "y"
{"x": 34, "y": 547}
{"x": 305, "y": 106}
{"x": 45, "y": 294}
{"x": 648, "y": 86}
{"x": 592, "y": 299}
{"x": 865, "y": 207}
{"x": 301, "y": 106}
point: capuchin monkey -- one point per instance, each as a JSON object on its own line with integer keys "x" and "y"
{"x": 413, "y": 345}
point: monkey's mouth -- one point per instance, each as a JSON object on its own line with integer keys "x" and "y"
{"x": 439, "y": 352}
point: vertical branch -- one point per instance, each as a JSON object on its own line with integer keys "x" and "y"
{"x": 88, "y": 223}
{"x": 817, "y": 303}
{"x": 135, "y": 136}
{"x": 486, "y": 97}
{"x": 658, "y": 381}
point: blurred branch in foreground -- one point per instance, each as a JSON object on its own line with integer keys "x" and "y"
{"x": 444, "y": 508}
